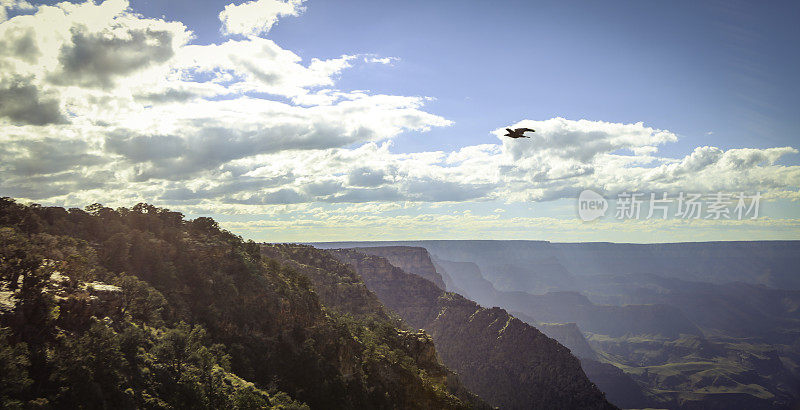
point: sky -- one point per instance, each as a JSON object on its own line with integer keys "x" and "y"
{"x": 362, "y": 120}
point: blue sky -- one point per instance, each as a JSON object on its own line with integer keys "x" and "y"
{"x": 691, "y": 67}
{"x": 674, "y": 96}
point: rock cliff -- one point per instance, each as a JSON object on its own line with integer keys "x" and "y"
{"x": 343, "y": 291}
{"x": 411, "y": 259}
{"x": 502, "y": 359}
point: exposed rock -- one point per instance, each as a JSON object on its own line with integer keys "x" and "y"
{"x": 502, "y": 359}
{"x": 411, "y": 259}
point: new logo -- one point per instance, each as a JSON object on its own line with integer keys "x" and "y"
{"x": 591, "y": 205}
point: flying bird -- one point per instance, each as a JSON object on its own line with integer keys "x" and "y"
{"x": 518, "y": 133}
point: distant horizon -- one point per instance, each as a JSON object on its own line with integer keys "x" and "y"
{"x": 543, "y": 241}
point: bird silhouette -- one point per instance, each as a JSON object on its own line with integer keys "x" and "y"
{"x": 518, "y": 133}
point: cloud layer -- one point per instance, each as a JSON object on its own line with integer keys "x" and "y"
{"x": 98, "y": 103}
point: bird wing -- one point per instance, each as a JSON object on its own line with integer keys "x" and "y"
{"x": 521, "y": 130}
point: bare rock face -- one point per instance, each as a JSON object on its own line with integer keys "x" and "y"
{"x": 411, "y": 259}
{"x": 619, "y": 387}
{"x": 502, "y": 359}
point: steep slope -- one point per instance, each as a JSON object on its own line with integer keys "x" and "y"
{"x": 342, "y": 290}
{"x": 569, "y": 335}
{"x": 338, "y": 287}
{"x": 502, "y": 359}
{"x": 693, "y": 334}
{"x": 256, "y": 324}
{"x": 619, "y": 387}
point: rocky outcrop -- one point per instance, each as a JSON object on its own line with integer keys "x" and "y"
{"x": 411, "y": 259}
{"x": 499, "y": 357}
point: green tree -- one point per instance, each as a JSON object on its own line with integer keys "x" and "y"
{"x": 140, "y": 300}
{"x": 14, "y": 364}
{"x": 90, "y": 368}
{"x": 18, "y": 257}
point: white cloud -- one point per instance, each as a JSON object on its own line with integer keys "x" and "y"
{"x": 158, "y": 111}
{"x": 106, "y": 105}
{"x": 380, "y": 60}
{"x": 582, "y": 140}
{"x": 257, "y": 17}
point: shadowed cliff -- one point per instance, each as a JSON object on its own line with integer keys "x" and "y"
{"x": 499, "y": 357}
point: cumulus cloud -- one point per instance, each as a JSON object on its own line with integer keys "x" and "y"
{"x": 366, "y": 177}
{"x": 102, "y": 103}
{"x": 582, "y": 140}
{"x": 20, "y": 43}
{"x": 94, "y": 59}
{"x": 200, "y": 137}
{"x": 258, "y": 65}
{"x": 257, "y": 17}
{"x": 22, "y": 103}
{"x": 46, "y": 156}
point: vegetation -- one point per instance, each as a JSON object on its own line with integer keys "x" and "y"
{"x": 344, "y": 291}
{"x": 140, "y": 308}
